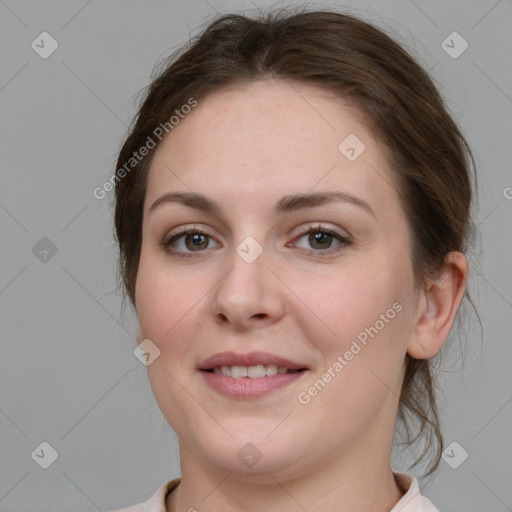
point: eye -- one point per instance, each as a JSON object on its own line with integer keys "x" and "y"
{"x": 188, "y": 241}
{"x": 318, "y": 239}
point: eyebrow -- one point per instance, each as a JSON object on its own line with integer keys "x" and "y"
{"x": 286, "y": 204}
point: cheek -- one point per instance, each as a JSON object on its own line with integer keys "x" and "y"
{"x": 163, "y": 299}
{"x": 362, "y": 347}
{"x": 348, "y": 302}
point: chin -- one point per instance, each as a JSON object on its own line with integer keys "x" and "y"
{"x": 252, "y": 455}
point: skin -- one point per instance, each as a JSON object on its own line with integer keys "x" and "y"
{"x": 245, "y": 148}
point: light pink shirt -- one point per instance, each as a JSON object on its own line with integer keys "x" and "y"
{"x": 412, "y": 500}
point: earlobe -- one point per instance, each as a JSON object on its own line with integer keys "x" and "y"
{"x": 438, "y": 306}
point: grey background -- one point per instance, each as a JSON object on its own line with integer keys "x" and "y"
{"x": 68, "y": 373}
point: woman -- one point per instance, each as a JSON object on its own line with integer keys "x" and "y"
{"x": 292, "y": 211}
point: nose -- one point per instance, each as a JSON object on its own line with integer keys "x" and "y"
{"x": 249, "y": 295}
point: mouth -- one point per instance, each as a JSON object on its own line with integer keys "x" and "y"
{"x": 256, "y": 371}
{"x": 251, "y": 375}
{"x": 253, "y": 365}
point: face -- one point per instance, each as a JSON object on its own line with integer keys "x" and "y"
{"x": 285, "y": 257}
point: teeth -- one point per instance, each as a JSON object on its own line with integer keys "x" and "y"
{"x": 271, "y": 369}
{"x": 253, "y": 372}
{"x": 237, "y": 372}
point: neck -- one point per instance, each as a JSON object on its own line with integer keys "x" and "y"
{"x": 341, "y": 484}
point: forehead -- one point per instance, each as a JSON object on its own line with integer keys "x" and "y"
{"x": 269, "y": 138}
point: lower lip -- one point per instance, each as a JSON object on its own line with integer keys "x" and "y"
{"x": 247, "y": 388}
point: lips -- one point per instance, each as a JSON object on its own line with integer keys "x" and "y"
{"x": 250, "y": 376}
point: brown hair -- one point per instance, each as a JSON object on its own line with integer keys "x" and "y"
{"x": 354, "y": 60}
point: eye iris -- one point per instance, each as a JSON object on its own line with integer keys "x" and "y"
{"x": 195, "y": 241}
{"x": 320, "y": 239}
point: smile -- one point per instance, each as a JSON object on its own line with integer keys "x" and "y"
{"x": 249, "y": 376}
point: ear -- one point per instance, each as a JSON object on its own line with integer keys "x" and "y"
{"x": 437, "y": 306}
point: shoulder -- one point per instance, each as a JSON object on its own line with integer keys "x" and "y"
{"x": 412, "y": 500}
{"x": 156, "y": 503}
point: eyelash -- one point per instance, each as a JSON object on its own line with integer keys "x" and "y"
{"x": 317, "y": 228}
{"x": 344, "y": 240}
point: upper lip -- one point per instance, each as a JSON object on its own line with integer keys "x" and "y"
{"x": 248, "y": 359}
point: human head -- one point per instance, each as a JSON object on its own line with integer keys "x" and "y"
{"x": 358, "y": 64}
